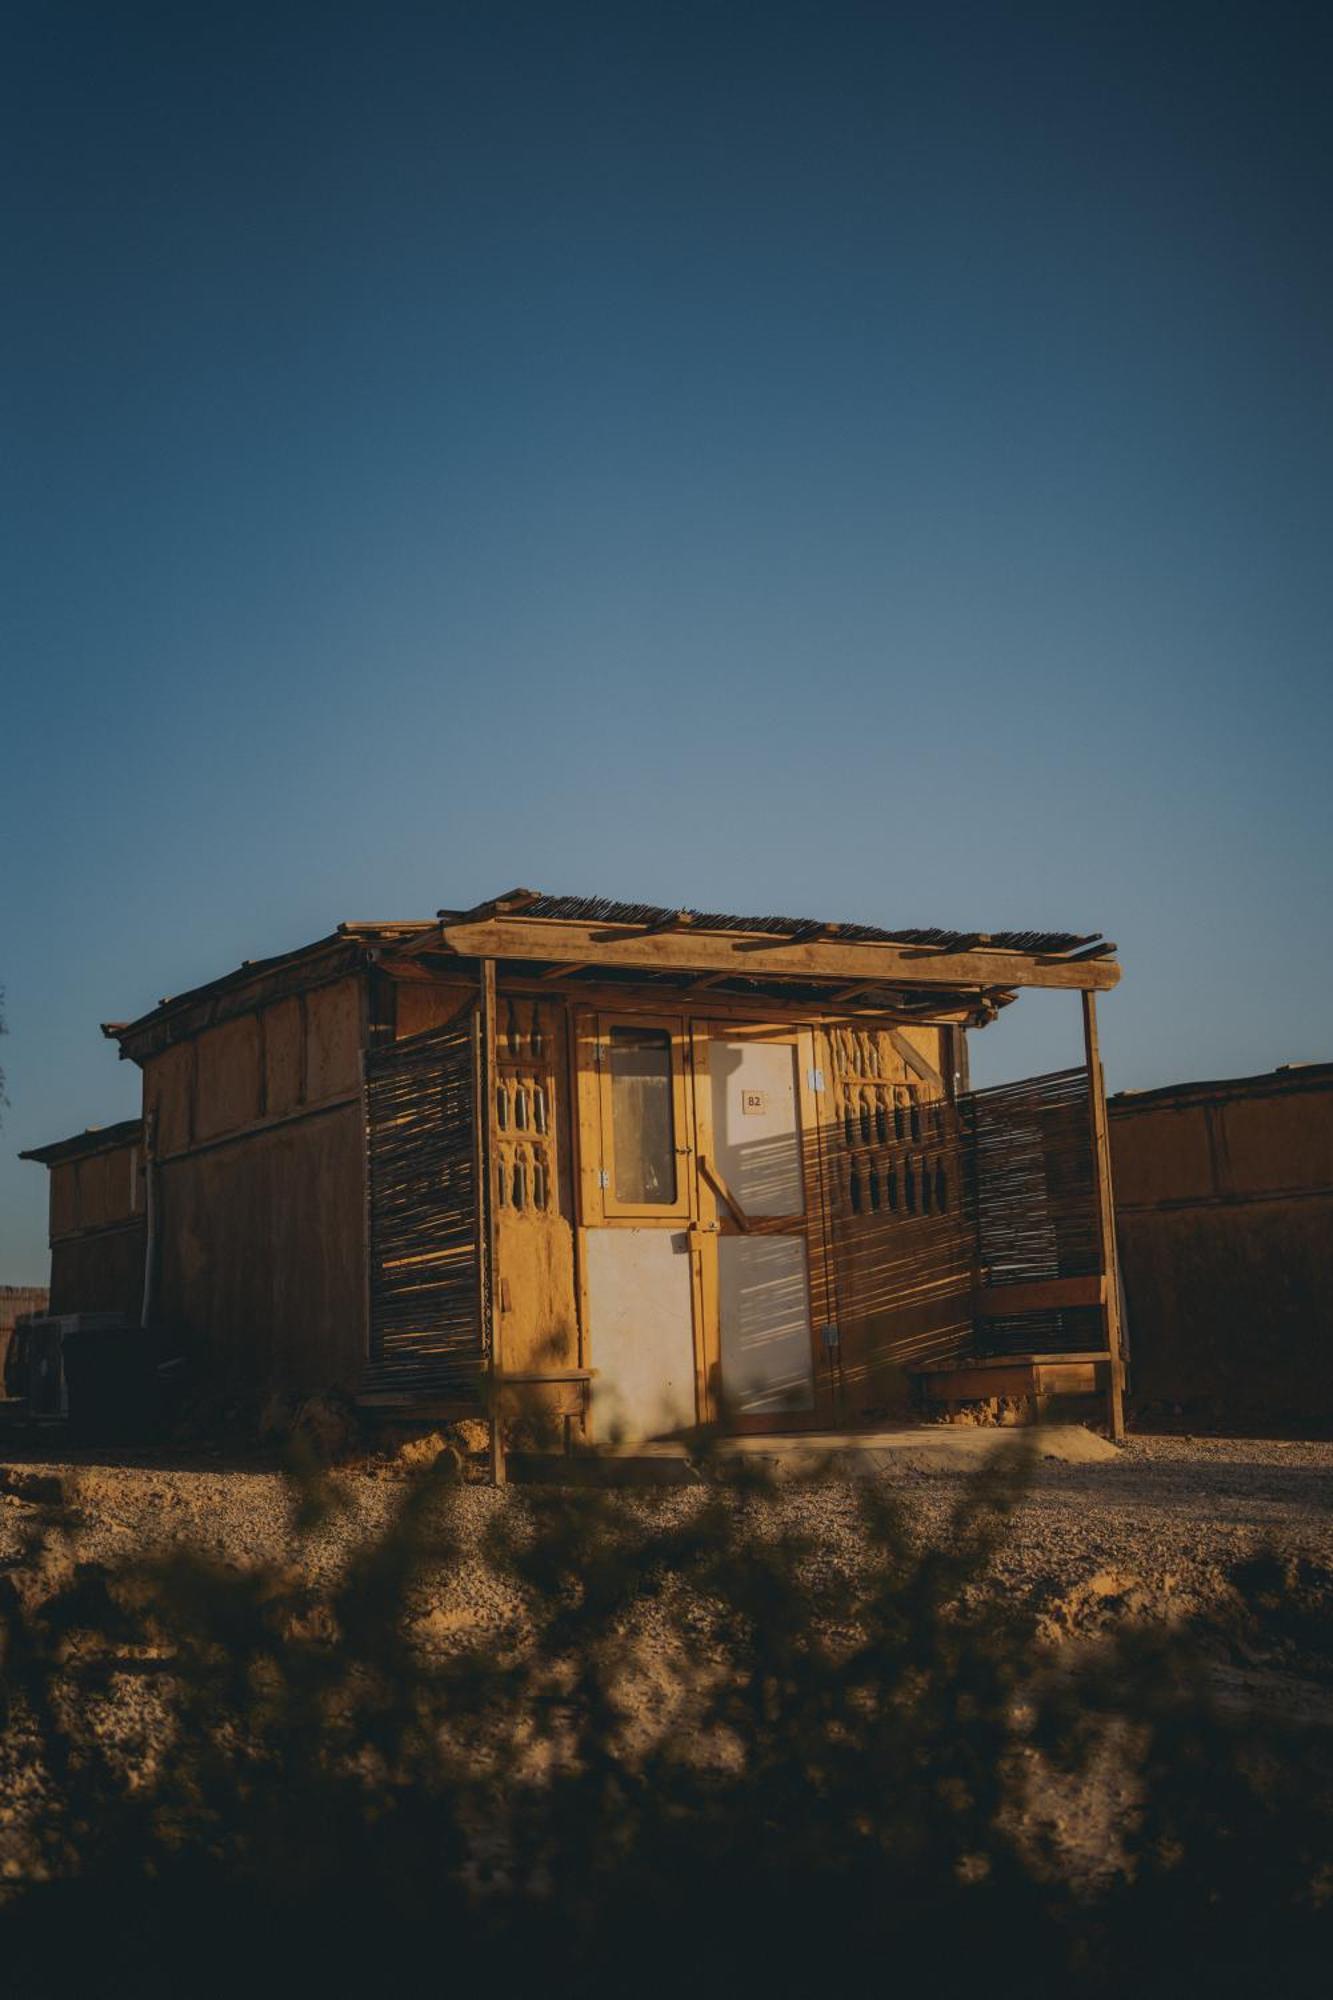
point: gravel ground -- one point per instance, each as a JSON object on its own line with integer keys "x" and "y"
{"x": 1159, "y": 1532}
{"x": 1163, "y": 1526}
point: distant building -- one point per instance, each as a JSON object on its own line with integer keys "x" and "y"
{"x": 97, "y": 1219}
{"x": 16, "y": 1301}
{"x": 1224, "y": 1205}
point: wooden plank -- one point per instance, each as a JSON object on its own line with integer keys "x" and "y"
{"x": 1065, "y": 1378}
{"x": 511, "y": 904}
{"x": 1046, "y": 1295}
{"x": 367, "y": 1181}
{"x": 961, "y": 1063}
{"x": 240, "y": 993}
{"x": 528, "y": 1375}
{"x": 782, "y": 941}
{"x": 259, "y": 1128}
{"x": 1102, "y": 949}
{"x": 966, "y": 1361}
{"x": 678, "y": 920}
{"x": 750, "y": 957}
{"x": 1034, "y": 1376}
{"x": 90, "y": 1229}
{"x": 405, "y": 971}
{"x": 941, "y": 1009}
{"x": 748, "y": 1226}
{"x": 1101, "y": 1146}
{"x": 917, "y": 1063}
{"x": 486, "y": 1125}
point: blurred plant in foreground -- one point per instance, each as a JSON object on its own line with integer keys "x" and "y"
{"x": 697, "y": 1755}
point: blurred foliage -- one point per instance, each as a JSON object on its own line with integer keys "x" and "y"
{"x": 699, "y": 1754}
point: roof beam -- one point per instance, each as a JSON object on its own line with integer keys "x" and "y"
{"x": 1103, "y": 949}
{"x": 678, "y": 920}
{"x": 750, "y": 957}
{"x": 781, "y": 941}
{"x": 511, "y": 904}
{"x": 856, "y": 989}
{"x": 768, "y": 1002}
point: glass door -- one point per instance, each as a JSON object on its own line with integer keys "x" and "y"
{"x": 760, "y": 1216}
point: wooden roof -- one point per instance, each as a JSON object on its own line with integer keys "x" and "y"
{"x": 96, "y": 1139}
{"x": 1290, "y": 1080}
{"x": 535, "y": 907}
{"x": 559, "y": 937}
{"x": 579, "y": 934}
{"x": 259, "y": 981}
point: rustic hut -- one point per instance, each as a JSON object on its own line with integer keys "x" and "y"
{"x": 656, "y": 1167}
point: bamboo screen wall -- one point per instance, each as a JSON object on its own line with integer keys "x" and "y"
{"x": 426, "y": 1322}
{"x": 902, "y": 1240}
{"x": 932, "y": 1198}
{"x": 1033, "y": 1198}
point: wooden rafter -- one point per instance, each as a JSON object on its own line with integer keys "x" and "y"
{"x": 856, "y": 989}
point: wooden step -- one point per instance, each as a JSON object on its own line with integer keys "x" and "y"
{"x": 982, "y": 1377}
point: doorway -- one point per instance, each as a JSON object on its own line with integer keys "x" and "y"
{"x": 705, "y": 1259}
{"x": 764, "y": 1275}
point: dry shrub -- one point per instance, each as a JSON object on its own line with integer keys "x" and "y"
{"x": 233, "y": 1779}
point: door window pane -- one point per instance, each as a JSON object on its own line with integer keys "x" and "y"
{"x": 643, "y": 1131}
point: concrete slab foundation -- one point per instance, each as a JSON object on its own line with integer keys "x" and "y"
{"x": 944, "y": 1448}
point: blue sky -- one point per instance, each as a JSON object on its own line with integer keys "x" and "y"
{"x": 871, "y": 461}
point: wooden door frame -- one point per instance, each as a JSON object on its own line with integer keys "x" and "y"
{"x": 605, "y": 1206}
{"x": 798, "y": 1036}
{"x": 592, "y": 1154}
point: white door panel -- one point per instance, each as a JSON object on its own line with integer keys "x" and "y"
{"x": 764, "y": 1314}
{"x": 640, "y": 1314}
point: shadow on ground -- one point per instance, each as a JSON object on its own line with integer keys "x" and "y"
{"x": 695, "y": 1759}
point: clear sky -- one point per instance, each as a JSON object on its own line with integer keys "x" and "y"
{"x": 870, "y": 461}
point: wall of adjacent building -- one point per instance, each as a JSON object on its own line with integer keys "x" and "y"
{"x": 258, "y": 1142}
{"x": 97, "y": 1232}
{"x": 16, "y": 1301}
{"x": 1224, "y": 1201}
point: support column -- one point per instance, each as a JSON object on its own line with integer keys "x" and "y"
{"x": 486, "y": 1158}
{"x": 1101, "y": 1156}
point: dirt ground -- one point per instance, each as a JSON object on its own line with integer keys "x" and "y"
{"x": 1162, "y": 1530}
{"x": 1170, "y": 1528}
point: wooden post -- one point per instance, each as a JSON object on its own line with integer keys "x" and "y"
{"x": 1101, "y": 1157}
{"x": 486, "y": 1155}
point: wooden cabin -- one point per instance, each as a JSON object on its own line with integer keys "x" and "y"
{"x": 1224, "y": 1210}
{"x": 653, "y": 1167}
{"x": 96, "y": 1227}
